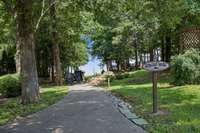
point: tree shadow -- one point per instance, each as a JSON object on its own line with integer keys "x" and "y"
{"x": 147, "y": 79}
{"x": 166, "y": 95}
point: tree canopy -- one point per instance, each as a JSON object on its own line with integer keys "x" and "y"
{"x": 57, "y": 31}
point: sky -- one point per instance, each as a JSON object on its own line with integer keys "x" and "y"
{"x": 92, "y": 67}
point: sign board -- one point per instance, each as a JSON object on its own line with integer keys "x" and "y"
{"x": 155, "y": 67}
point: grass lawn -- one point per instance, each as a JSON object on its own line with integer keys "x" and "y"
{"x": 180, "y": 104}
{"x": 13, "y": 109}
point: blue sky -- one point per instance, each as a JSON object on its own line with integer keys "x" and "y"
{"x": 92, "y": 67}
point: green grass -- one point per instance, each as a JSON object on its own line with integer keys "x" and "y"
{"x": 13, "y": 109}
{"x": 180, "y": 104}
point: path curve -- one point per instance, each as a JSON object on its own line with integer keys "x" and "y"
{"x": 85, "y": 109}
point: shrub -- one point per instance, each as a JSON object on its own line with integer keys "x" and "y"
{"x": 185, "y": 68}
{"x": 119, "y": 76}
{"x": 88, "y": 78}
{"x": 122, "y": 76}
{"x": 10, "y": 85}
{"x": 112, "y": 77}
{"x": 126, "y": 75}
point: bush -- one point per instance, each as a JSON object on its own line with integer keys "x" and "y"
{"x": 112, "y": 77}
{"x": 88, "y": 78}
{"x": 126, "y": 75}
{"x": 122, "y": 76}
{"x": 185, "y": 68}
{"x": 10, "y": 85}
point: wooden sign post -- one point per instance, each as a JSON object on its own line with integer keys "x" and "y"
{"x": 155, "y": 67}
{"x": 155, "y": 99}
{"x": 108, "y": 82}
{"x": 108, "y": 75}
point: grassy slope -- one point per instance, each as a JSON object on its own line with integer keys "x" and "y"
{"x": 181, "y": 105}
{"x": 13, "y": 109}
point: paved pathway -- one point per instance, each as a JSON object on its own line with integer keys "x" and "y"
{"x": 85, "y": 109}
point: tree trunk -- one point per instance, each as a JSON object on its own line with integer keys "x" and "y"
{"x": 136, "y": 51}
{"x": 128, "y": 66}
{"x": 111, "y": 65}
{"x": 17, "y": 58}
{"x": 141, "y": 60}
{"x": 117, "y": 62}
{"x": 163, "y": 50}
{"x": 26, "y": 52}
{"x": 55, "y": 43}
{"x": 168, "y": 48}
{"x": 118, "y": 65}
{"x": 151, "y": 54}
{"x": 52, "y": 77}
{"x": 108, "y": 65}
{"x": 145, "y": 59}
{"x": 136, "y": 59}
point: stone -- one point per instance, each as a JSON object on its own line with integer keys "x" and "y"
{"x": 131, "y": 116}
{"x": 124, "y": 110}
{"x": 128, "y": 114}
{"x": 121, "y": 105}
{"x": 139, "y": 121}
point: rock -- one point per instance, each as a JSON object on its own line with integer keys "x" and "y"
{"x": 124, "y": 108}
{"x": 139, "y": 121}
{"x": 131, "y": 116}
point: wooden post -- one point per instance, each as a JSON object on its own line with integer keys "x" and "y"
{"x": 154, "y": 78}
{"x": 108, "y": 82}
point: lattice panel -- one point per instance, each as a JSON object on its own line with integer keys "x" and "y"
{"x": 190, "y": 38}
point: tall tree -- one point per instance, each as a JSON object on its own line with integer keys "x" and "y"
{"x": 55, "y": 44}
{"x": 26, "y": 45}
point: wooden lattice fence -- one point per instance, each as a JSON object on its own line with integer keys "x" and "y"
{"x": 190, "y": 38}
